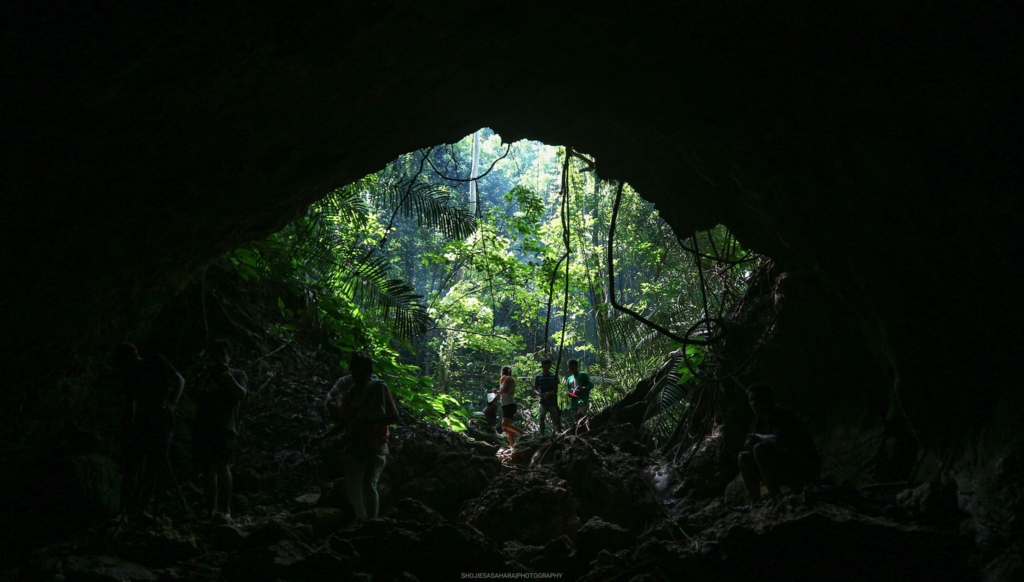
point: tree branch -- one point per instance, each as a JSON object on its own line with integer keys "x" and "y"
{"x": 501, "y": 337}
{"x": 508, "y": 148}
{"x": 611, "y": 282}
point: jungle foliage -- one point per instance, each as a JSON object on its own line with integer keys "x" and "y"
{"x": 446, "y": 278}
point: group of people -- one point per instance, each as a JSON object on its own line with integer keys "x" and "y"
{"x": 152, "y": 390}
{"x": 545, "y": 385}
{"x": 779, "y": 452}
{"x": 360, "y": 404}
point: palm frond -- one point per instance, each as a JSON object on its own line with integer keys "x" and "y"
{"x": 346, "y": 203}
{"x": 363, "y": 276}
{"x": 431, "y": 205}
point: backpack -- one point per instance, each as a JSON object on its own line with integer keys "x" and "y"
{"x": 359, "y": 415}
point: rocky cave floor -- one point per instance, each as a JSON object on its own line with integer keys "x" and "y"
{"x": 598, "y": 508}
{"x": 593, "y": 509}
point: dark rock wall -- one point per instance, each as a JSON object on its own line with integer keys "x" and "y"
{"x": 873, "y": 149}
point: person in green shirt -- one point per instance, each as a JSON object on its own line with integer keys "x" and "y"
{"x": 579, "y": 386}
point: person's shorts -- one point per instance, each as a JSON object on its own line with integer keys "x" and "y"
{"x": 509, "y": 410}
{"x": 550, "y": 408}
{"x": 215, "y": 449}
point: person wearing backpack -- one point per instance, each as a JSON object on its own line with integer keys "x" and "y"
{"x": 366, "y": 410}
{"x": 152, "y": 388}
{"x": 221, "y": 391}
{"x": 332, "y": 402}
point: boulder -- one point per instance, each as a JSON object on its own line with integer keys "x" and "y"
{"x": 832, "y": 542}
{"x": 736, "y": 493}
{"x": 321, "y": 521}
{"x": 410, "y": 509}
{"x": 932, "y": 502}
{"x": 104, "y": 568}
{"x": 227, "y": 537}
{"x": 485, "y": 449}
{"x": 524, "y": 453}
{"x": 159, "y": 546}
{"x": 438, "y": 475}
{"x": 287, "y": 560}
{"x": 597, "y": 535}
{"x": 267, "y": 532}
{"x": 308, "y": 500}
{"x": 557, "y": 556}
{"x": 619, "y": 492}
{"x": 708, "y": 466}
{"x": 619, "y": 434}
{"x": 524, "y": 508}
{"x": 440, "y": 552}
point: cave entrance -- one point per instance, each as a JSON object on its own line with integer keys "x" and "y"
{"x": 456, "y": 260}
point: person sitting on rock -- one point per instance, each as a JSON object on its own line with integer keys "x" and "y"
{"x": 780, "y": 451}
{"x": 506, "y": 391}
{"x": 366, "y": 410}
{"x": 221, "y": 390}
{"x": 490, "y": 412}
{"x": 545, "y": 385}
{"x": 152, "y": 388}
{"x": 579, "y": 386}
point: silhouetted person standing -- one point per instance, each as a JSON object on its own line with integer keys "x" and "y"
{"x": 152, "y": 388}
{"x": 366, "y": 410}
{"x": 780, "y": 452}
{"x": 221, "y": 391}
{"x": 545, "y": 385}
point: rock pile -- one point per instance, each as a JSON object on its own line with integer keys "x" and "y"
{"x": 581, "y": 507}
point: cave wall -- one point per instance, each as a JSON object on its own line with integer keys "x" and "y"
{"x": 874, "y": 150}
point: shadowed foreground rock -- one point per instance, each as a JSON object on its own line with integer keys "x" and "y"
{"x": 528, "y": 520}
{"x": 524, "y": 508}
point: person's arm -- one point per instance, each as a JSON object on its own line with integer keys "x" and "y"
{"x": 177, "y": 394}
{"x": 506, "y": 387}
{"x": 536, "y": 390}
{"x": 331, "y": 395}
{"x": 391, "y": 415}
{"x": 172, "y": 375}
{"x": 587, "y": 384}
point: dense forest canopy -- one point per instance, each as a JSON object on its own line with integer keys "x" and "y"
{"x": 455, "y": 260}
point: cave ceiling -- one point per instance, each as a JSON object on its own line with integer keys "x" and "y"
{"x": 873, "y": 149}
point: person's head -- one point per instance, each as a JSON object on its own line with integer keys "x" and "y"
{"x": 545, "y": 365}
{"x": 574, "y": 366}
{"x": 506, "y": 371}
{"x": 219, "y": 351}
{"x": 360, "y": 364}
{"x": 761, "y": 399}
